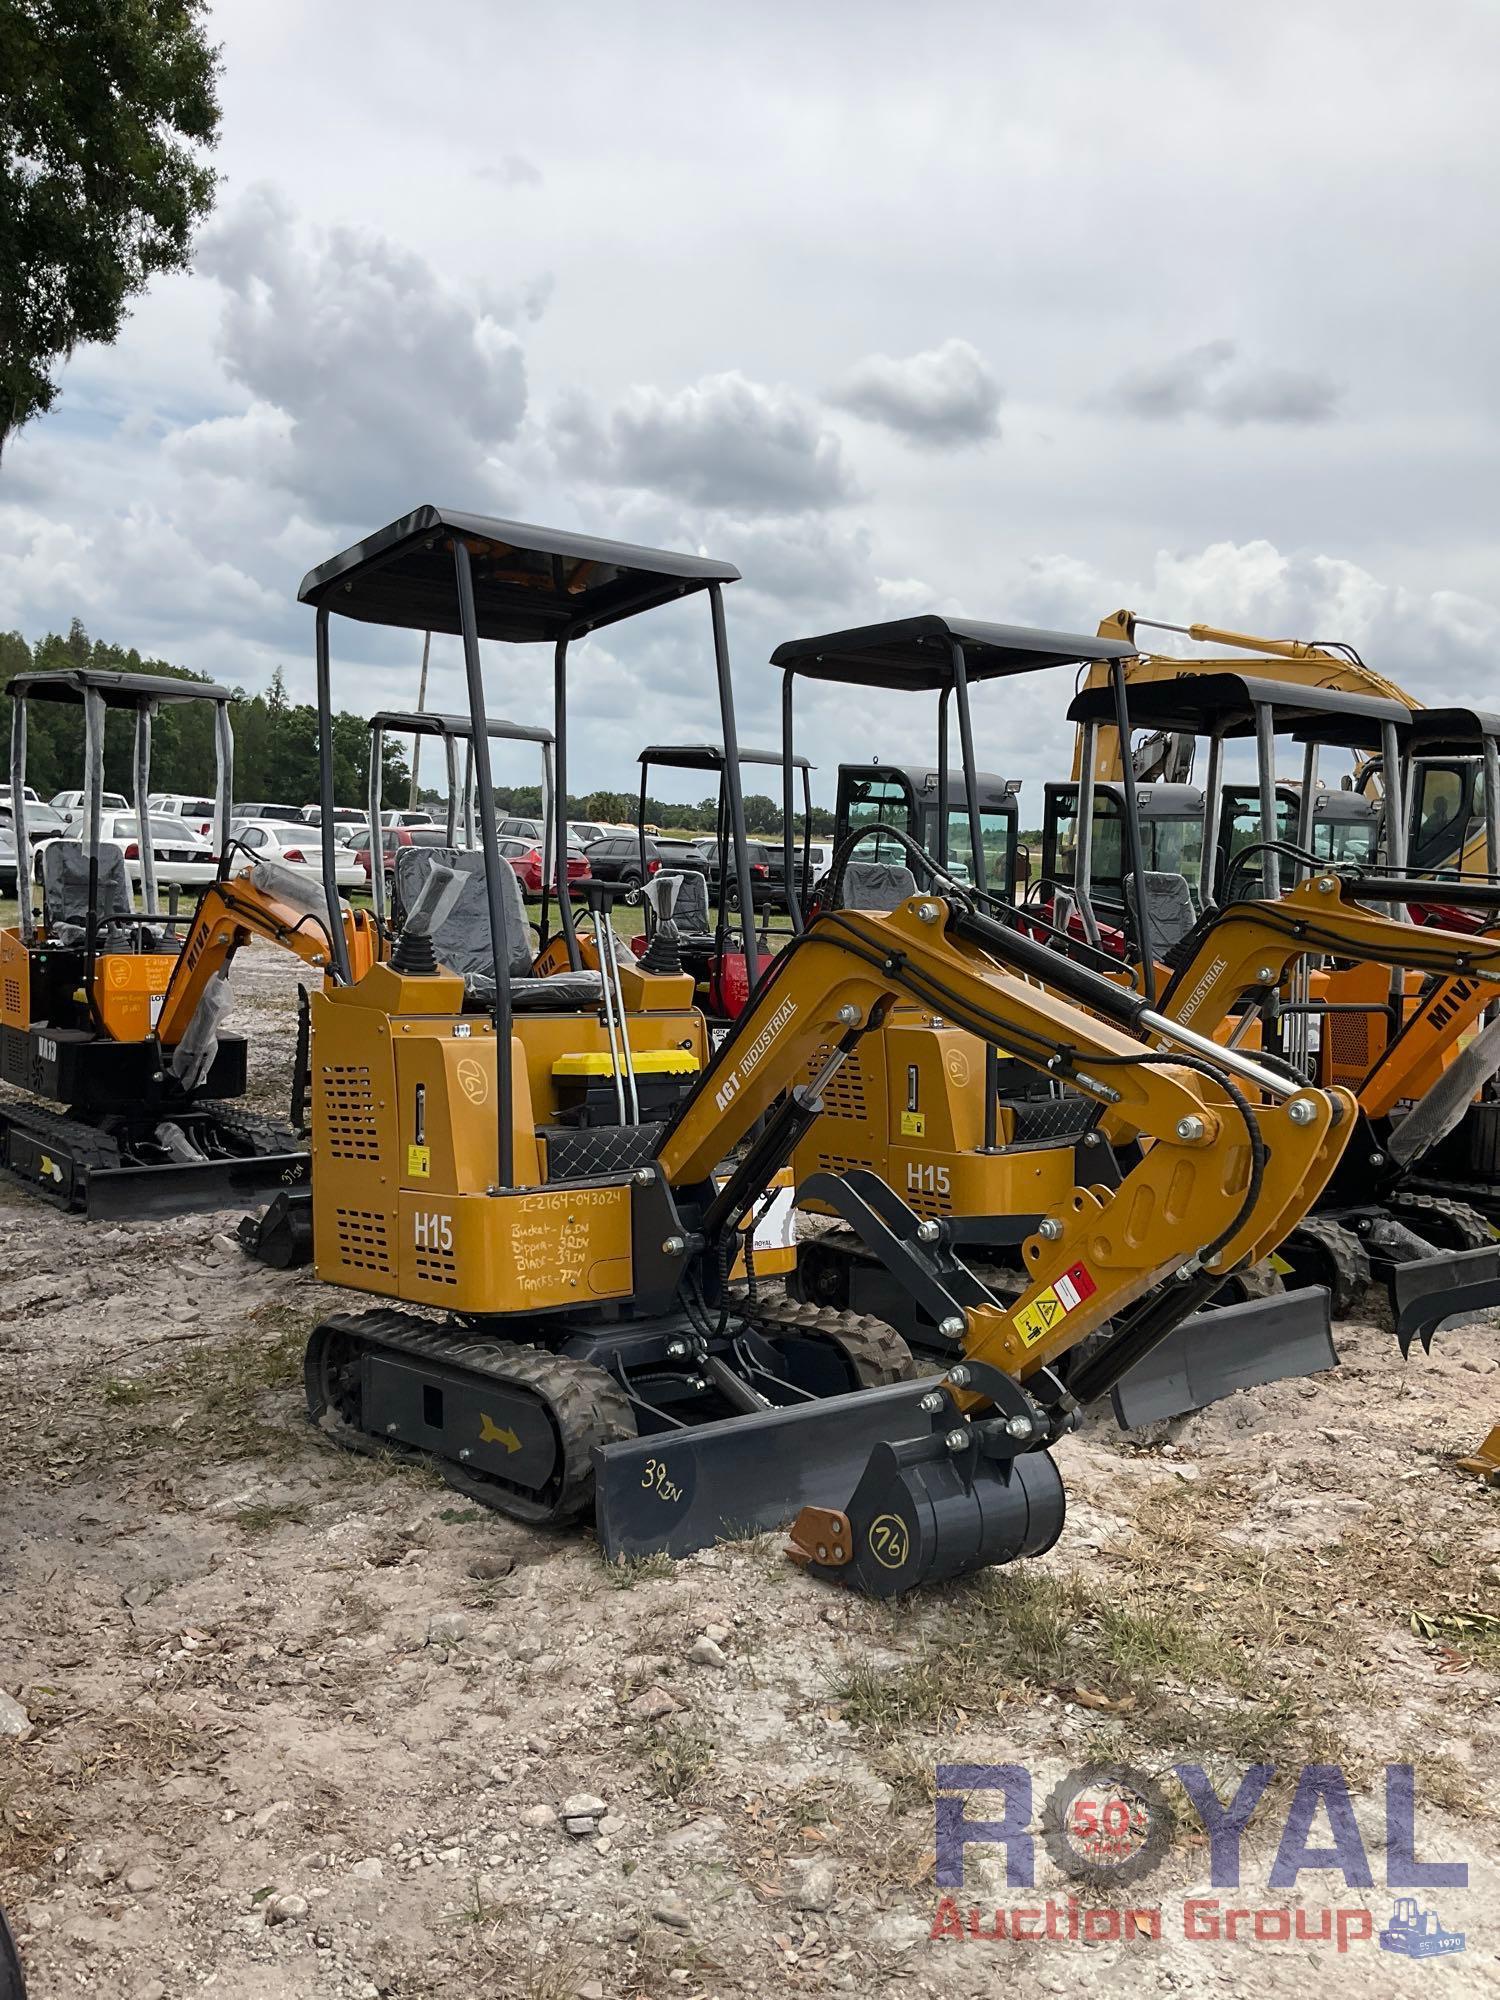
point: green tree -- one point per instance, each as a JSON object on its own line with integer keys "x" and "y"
{"x": 105, "y": 108}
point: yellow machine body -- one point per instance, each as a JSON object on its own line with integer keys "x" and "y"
{"x": 909, "y": 1105}
{"x": 406, "y": 1147}
{"x": 15, "y": 980}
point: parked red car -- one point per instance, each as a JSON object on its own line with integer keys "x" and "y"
{"x": 394, "y": 837}
{"x": 526, "y": 858}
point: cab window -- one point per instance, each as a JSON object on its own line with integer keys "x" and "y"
{"x": 1447, "y": 807}
{"x": 994, "y": 844}
{"x": 871, "y": 801}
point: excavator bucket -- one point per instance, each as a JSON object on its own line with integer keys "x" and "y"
{"x": 1447, "y": 1290}
{"x": 1211, "y": 1354}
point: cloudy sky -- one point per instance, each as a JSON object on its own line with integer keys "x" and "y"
{"x": 1029, "y": 311}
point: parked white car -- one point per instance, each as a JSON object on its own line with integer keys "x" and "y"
{"x": 42, "y": 825}
{"x": 195, "y": 810}
{"x": 405, "y": 816}
{"x": 273, "y": 840}
{"x": 70, "y": 804}
{"x": 342, "y": 816}
{"x": 184, "y": 859}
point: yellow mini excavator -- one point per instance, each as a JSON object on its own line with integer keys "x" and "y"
{"x": 588, "y": 1350}
{"x": 114, "y": 1013}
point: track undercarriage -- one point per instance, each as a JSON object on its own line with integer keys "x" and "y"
{"x": 153, "y": 1161}
{"x": 636, "y": 1423}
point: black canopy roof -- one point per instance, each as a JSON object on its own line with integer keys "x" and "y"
{"x": 915, "y": 654}
{"x": 1452, "y": 732}
{"x": 428, "y": 722}
{"x": 1200, "y": 704}
{"x": 1154, "y": 799}
{"x": 994, "y": 792}
{"x": 529, "y": 583}
{"x": 708, "y": 756}
{"x": 117, "y": 690}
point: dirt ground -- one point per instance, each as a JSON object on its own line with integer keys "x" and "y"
{"x": 295, "y": 1725}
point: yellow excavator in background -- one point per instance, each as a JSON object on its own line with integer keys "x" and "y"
{"x": 111, "y": 1017}
{"x": 1298, "y": 662}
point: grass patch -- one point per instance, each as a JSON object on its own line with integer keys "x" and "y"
{"x": 29, "y": 1832}
{"x": 261, "y": 1517}
{"x": 1022, "y": 1630}
{"x": 1178, "y": 1681}
{"x": 676, "y": 1758}
{"x": 627, "y": 1571}
{"x": 124, "y": 1392}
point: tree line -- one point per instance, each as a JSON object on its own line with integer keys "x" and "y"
{"x": 276, "y": 748}
{"x": 275, "y": 738}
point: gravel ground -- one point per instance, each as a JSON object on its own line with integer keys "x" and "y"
{"x": 280, "y": 1723}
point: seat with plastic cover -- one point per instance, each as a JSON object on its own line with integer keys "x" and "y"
{"x": 876, "y": 885}
{"x": 462, "y": 940}
{"x": 690, "y": 911}
{"x": 1169, "y": 907}
{"x": 409, "y": 872}
{"x": 65, "y": 891}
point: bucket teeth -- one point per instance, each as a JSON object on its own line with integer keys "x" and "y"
{"x": 819, "y": 1535}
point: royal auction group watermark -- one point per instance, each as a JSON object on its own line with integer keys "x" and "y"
{"x": 1108, "y": 1827}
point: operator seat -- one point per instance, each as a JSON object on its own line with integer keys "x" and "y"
{"x": 65, "y": 895}
{"x": 876, "y": 886}
{"x": 1169, "y": 907}
{"x": 462, "y": 941}
{"x": 690, "y": 911}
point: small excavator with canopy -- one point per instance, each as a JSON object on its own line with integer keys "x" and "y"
{"x": 595, "y": 1354}
{"x": 680, "y": 903}
{"x": 111, "y": 1033}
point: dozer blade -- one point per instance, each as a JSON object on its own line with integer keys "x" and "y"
{"x": 1447, "y": 1290}
{"x": 677, "y": 1491}
{"x": 1213, "y": 1353}
{"x": 134, "y": 1194}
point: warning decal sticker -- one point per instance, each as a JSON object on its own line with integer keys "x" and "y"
{"x": 1049, "y": 1308}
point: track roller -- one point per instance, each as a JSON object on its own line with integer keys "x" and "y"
{"x": 1323, "y": 1252}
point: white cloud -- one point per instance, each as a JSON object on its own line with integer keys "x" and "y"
{"x": 513, "y": 170}
{"x": 724, "y": 441}
{"x": 940, "y": 399}
{"x": 1212, "y": 381}
{"x": 372, "y": 382}
{"x": 683, "y": 280}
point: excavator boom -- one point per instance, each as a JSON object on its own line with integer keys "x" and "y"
{"x": 1234, "y": 1153}
{"x": 1298, "y": 661}
{"x": 228, "y": 916}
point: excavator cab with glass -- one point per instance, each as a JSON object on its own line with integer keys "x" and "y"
{"x": 878, "y": 801}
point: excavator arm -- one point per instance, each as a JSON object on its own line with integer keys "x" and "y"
{"x": 1297, "y": 660}
{"x": 1232, "y": 1155}
{"x": 1254, "y": 944}
{"x": 228, "y": 915}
